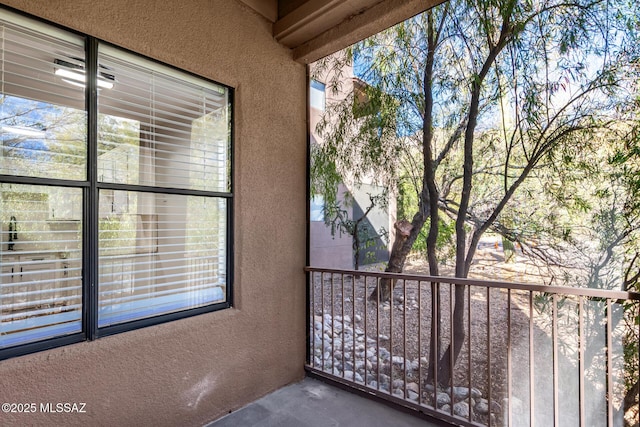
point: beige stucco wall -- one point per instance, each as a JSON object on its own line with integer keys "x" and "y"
{"x": 190, "y": 371}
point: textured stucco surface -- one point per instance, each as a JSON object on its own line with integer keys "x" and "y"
{"x": 191, "y": 371}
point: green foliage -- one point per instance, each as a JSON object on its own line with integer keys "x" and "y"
{"x": 56, "y": 151}
{"x": 532, "y": 110}
{"x": 543, "y": 302}
{"x": 407, "y": 204}
{"x": 509, "y": 250}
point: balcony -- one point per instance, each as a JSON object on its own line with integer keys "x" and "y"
{"x": 312, "y": 403}
{"x": 530, "y": 355}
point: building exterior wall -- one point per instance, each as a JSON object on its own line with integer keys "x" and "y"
{"x": 330, "y": 250}
{"x": 335, "y": 250}
{"x": 191, "y": 371}
{"x": 326, "y": 249}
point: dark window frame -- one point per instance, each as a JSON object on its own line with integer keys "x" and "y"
{"x": 90, "y": 188}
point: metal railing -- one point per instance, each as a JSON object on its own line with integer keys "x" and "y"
{"x": 529, "y": 355}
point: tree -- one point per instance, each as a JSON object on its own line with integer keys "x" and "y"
{"x": 53, "y": 135}
{"x": 476, "y": 100}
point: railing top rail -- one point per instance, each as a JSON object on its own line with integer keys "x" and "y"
{"x": 565, "y": 290}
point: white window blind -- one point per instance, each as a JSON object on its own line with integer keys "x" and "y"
{"x": 178, "y": 134}
{"x": 170, "y": 260}
{"x": 42, "y": 135}
{"x": 42, "y": 118}
{"x": 41, "y": 261}
{"x": 159, "y": 128}
{"x": 161, "y": 187}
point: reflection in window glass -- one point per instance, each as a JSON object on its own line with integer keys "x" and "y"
{"x": 154, "y": 205}
{"x": 119, "y": 150}
{"x": 42, "y": 119}
{"x": 41, "y": 260}
{"x": 173, "y": 131}
{"x": 159, "y": 254}
{"x": 43, "y": 140}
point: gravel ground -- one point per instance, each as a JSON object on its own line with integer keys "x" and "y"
{"x": 495, "y": 321}
{"x": 404, "y": 326}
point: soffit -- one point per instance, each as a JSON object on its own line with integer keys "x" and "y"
{"x": 315, "y": 17}
{"x": 316, "y": 28}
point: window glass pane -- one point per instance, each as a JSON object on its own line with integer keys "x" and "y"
{"x": 167, "y": 128}
{"x": 42, "y": 118}
{"x": 159, "y": 253}
{"x": 317, "y": 95}
{"x": 120, "y": 159}
{"x": 316, "y": 211}
{"x": 157, "y": 127}
{"x": 41, "y": 261}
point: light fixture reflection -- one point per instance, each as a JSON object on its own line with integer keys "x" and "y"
{"x": 23, "y": 131}
{"x": 77, "y": 78}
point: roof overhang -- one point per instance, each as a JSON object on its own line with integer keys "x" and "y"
{"x": 313, "y": 29}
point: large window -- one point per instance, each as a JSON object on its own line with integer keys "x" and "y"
{"x": 115, "y": 189}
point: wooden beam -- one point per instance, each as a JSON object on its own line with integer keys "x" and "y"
{"x": 357, "y": 27}
{"x": 315, "y": 17}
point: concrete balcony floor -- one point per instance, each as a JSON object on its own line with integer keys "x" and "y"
{"x": 313, "y": 403}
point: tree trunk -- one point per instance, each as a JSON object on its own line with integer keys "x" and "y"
{"x": 631, "y": 401}
{"x": 448, "y": 361}
{"x": 396, "y": 260}
{"x": 463, "y": 258}
{"x": 436, "y": 332}
{"x": 429, "y": 181}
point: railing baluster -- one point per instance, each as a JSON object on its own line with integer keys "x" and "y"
{"x": 322, "y": 363}
{"x": 531, "y": 361}
{"x": 489, "y": 383}
{"x": 333, "y": 332}
{"x": 392, "y": 283}
{"x": 609, "y": 367}
{"x": 581, "y": 345}
{"x": 554, "y": 334}
{"x": 404, "y": 333}
{"x": 451, "y": 346}
{"x": 343, "y": 322}
{"x": 469, "y": 345}
{"x": 353, "y": 326}
{"x": 435, "y": 352}
{"x": 313, "y": 318}
{"x": 419, "y": 343}
{"x": 364, "y": 297}
{"x": 378, "y": 330}
{"x": 509, "y": 419}
{"x": 366, "y": 292}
